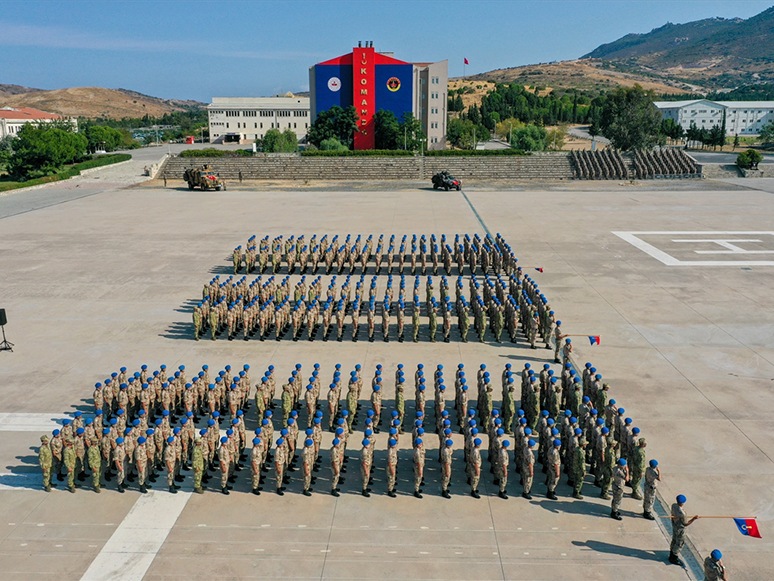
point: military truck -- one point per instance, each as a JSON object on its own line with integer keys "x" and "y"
{"x": 204, "y": 178}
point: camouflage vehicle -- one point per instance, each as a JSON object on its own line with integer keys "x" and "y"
{"x": 204, "y": 178}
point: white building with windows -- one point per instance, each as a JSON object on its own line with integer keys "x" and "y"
{"x": 245, "y": 119}
{"x": 13, "y": 119}
{"x": 742, "y": 117}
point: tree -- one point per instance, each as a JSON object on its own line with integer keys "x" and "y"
{"x": 412, "y": 131}
{"x": 555, "y": 138}
{"x": 6, "y": 150}
{"x": 629, "y": 119}
{"x": 335, "y": 122}
{"x": 529, "y": 138}
{"x": 43, "y": 149}
{"x": 766, "y": 135}
{"x": 388, "y": 130}
{"x": 458, "y": 131}
{"x": 275, "y": 142}
{"x": 671, "y": 129}
{"x": 504, "y": 128}
{"x": 716, "y": 136}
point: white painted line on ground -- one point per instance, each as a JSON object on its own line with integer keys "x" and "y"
{"x": 128, "y": 554}
{"x": 21, "y": 422}
{"x": 633, "y": 239}
{"x": 22, "y": 481}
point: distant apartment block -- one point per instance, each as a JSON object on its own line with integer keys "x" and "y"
{"x": 742, "y": 117}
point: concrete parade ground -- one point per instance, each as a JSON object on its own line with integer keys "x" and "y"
{"x": 676, "y": 278}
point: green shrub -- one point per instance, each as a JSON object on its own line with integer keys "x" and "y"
{"x": 212, "y": 152}
{"x": 746, "y": 159}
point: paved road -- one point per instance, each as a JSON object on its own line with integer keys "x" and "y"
{"x": 582, "y": 133}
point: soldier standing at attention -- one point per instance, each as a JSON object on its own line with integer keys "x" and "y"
{"x": 446, "y": 467}
{"x": 554, "y": 468}
{"x": 70, "y": 462}
{"x": 474, "y": 467}
{"x": 94, "y": 456}
{"x": 280, "y": 463}
{"x": 679, "y": 523}
{"x": 335, "y": 466}
{"x": 119, "y": 461}
{"x": 46, "y": 461}
{"x": 620, "y": 476}
{"x": 366, "y": 459}
{"x": 392, "y": 467}
{"x": 309, "y": 457}
{"x": 578, "y": 468}
{"x": 197, "y": 463}
{"x": 638, "y": 466}
{"x": 419, "y": 466}
{"x": 652, "y": 478}
{"x": 528, "y": 469}
{"x": 502, "y": 469}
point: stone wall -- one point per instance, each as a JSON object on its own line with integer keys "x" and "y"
{"x": 547, "y": 166}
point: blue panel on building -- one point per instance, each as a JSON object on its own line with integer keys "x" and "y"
{"x": 333, "y": 86}
{"x": 394, "y": 88}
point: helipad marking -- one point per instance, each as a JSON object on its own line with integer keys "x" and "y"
{"x": 129, "y": 552}
{"x": 634, "y": 239}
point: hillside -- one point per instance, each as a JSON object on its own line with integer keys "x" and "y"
{"x": 93, "y": 102}
{"x": 6, "y": 90}
{"x": 592, "y": 75}
{"x": 713, "y": 53}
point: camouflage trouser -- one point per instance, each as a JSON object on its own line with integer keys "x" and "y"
{"x": 198, "y": 478}
{"x": 648, "y": 498}
{"x": 502, "y": 475}
{"x": 365, "y": 474}
{"x": 279, "y": 471}
{"x": 71, "y": 479}
{"x": 417, "y": 477}
{"x": 527, "y": 481}
{"x": 557, "y": 348}
{"x": 307, "y": 477}
{"x": 350, "y": 420}
{"x": 464, "y": 333}
{"x": 617, "y": 496}
{"x": 392, "y": 476}
{"x": 606, "y": 481}
{"x": 474, "y": 479}
{"x": 551, "y": 479}
{"x": 678, "y": 539}
{"x": 142, "y": 473}
{"x": 46, "y": 477}
{"x": 223, "y": 477}
{"x": 577, "y": 484}
{"x": 415, "y": 333}
{"x": 445, "y": 477}
{"x": 335, "y": 474}
{"x": 170, "y": 476}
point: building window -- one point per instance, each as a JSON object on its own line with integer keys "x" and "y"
{"x": 294, "y": 125}
{"x": 232, "y": 113}
{"x": 267, "y": 113}
{"x": 226, "y": 125}
{"x": 283, "y": 113}
{"x": 256, "y": 126}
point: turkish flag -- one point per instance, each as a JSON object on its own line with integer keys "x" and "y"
{"x": 466, "y": 61}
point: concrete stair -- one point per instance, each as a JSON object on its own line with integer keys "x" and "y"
{"x": 545, "y": 166}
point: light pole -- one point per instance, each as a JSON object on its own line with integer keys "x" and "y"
{"x": 510, "y": 134}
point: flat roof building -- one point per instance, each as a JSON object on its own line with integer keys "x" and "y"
{"x": 742, "y": 117}
{"x": 12, "y": 119}
{"x": 370, "y": 81}
{"x": 245, "y": 119}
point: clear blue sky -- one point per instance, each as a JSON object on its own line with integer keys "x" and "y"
{"x": 197, "y": 50}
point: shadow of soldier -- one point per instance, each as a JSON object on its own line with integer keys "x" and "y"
{"x": 602, "y": 547}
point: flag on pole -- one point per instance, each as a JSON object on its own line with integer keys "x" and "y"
{"x": 594, "y": 339}
{"x": 466, "y": 61}
{"x": 748, "y": 527}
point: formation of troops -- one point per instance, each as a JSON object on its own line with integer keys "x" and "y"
{"x": 333, "y": 255}
{"x": 149, "y": 423}
{"x": 161, "y": 423}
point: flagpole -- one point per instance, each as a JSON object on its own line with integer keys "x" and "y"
{"x": 702, "y": 516}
